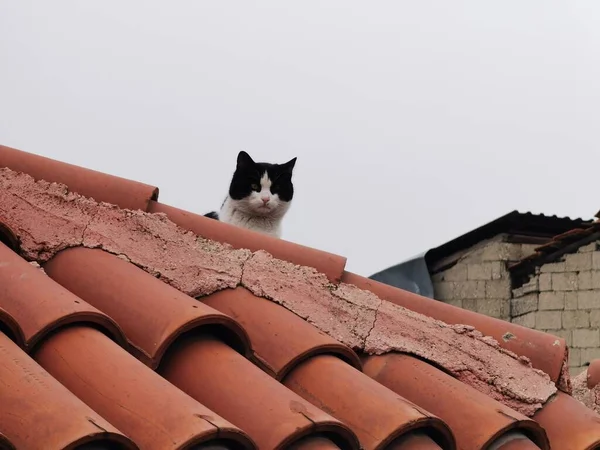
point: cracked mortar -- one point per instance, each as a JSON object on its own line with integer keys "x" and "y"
{"x": 47, "y": 218}
{"x": 589, "y": 397}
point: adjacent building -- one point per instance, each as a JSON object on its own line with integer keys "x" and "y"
{"x": 542, "y": 272}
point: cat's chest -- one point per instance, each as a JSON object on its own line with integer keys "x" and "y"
{"x": 260, "y": 224}
{"x": 266, "y": 225}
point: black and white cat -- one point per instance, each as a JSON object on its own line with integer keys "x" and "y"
{"x": 260, "y": 195}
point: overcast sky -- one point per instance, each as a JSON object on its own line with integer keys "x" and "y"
{"x": 413, "y": 122}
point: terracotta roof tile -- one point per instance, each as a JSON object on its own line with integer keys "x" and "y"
{"x": 482, "y": 420}
{"x": 166, "y": 339}
{"x": 90, "y": 183}
{"x": 266, "y": 321}
{"x": 154, "y": 314}
{"x": 38, "y": 410}
{"x": 40, "y": 306}
{"x": 145, "y": 406}
{"x": 220, "y": 378}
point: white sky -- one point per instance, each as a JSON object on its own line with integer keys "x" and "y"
{"x": 413, "y": 122}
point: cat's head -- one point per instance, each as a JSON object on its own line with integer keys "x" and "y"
{"x": 262, "y": 189}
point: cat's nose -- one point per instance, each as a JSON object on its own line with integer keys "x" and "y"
{"x": 265, "y": 199}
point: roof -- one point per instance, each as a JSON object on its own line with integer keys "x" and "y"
{"x": 532, "y": 228}
{"x": 128, "y": 323}
{"x": 559, "y": 245}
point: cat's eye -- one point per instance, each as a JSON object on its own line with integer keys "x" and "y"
{"x": 254, "y": 187}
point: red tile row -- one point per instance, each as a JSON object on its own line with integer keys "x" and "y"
{"x": 85, "y": 351}
{"x": 539, "y": 347}
{"x": 134, "y": 353}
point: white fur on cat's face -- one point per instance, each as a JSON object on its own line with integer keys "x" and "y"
{"x": 263, "y": 202}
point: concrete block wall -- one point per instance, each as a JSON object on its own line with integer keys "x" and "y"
{"x": 563, "y": 298}
{"x": 478, "y": 279}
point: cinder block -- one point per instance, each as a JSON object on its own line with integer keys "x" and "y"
{"x": 494, "y": 251}
{"x": 528, "y": 249}
{"x": 596, "y": 260}
{"x": 576, "y": 262}
{"x": 584, "y": 280}
{"x": 454, "y": 302}
{"x": 551, "y": 301}
{"x": 501, "y": 251}
{"x": 596, "y": 279}
{"x": 571, "y": 300}
{"x": 545, "y": 282}
{"x": 595, "y": 318}
{"x": 499, "y": 270}
{"x": 585, "y": 338}
{"x": 497, "y": 289}
{"x": 532, "y": 286}
{"x": 574, "y": 371}
{"x": 526, "y": 320}
{"x": 437, "y": 277}
{"x": 444, "y": 290}
{"x": 470, "y": 289}
{"x": 591, "y": 247}
{"x": 588, "y": 300}
{"x": 565, "y": 281}
{"x": 575, "y": 319}
{"x": 493, "y": 307}
{"x": 482, "y": 271}
{"x": 553, "y": 267}
{"x": 565, "y": 334}
{"x": 458, "y": 272}
{"x": 473, "y": 256}
{"x": 588, "y": 355}
{"x": 548, "y": 320}
{"x": 523, "y": 305}
{"x": 470, "y": 304}
{"x": 575, "y": 357}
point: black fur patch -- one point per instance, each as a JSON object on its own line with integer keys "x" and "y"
{"x": 212, "y": 215}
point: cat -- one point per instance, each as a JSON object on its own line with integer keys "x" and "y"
{"x": 260, "y": 194}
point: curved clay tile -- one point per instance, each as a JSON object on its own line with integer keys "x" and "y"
{"x": 593, "y": 374}
{"x": 314, "y": 443}
{"x": 413, "y": 441}
{"x": 100, "y": 186}
{"x": 39, "y": 305}
{"x": 515, "y": 441}
{"x": 376, "y": 414}
{"x": 10, "y": 327}
{"x": 569, "y": 424}
{"x": 545, "y": 351}
{"x": 5, "y": 444}
{"x": 267, "y": 322}
{"x": 327, "y": 263}
{"x": 151, "y": 313}
{"x": 36, "y": 409}
{"x": 233, "y": 387}
{"x": 7, "y": 237}
{"x": 150, "y": 410}
{"x": 475, "y": 419}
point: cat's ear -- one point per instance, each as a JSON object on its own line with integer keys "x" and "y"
{"x": 289, "y": 166}
{"x": 244, "y": 160}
